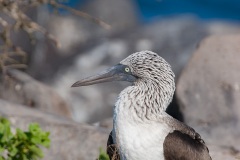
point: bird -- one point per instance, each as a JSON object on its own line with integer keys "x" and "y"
{"x": 142, "y": 130}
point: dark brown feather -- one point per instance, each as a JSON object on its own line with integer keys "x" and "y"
{"x": 180, "y": 146}
{"x": 112, "y": 149}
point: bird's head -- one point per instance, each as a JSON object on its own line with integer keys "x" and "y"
{"x": 149, "y": 67}
{"x": 140, "y": 66}
{"x": 147, "y": 71}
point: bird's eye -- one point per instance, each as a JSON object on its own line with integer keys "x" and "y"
{"x": 127, "y": 69}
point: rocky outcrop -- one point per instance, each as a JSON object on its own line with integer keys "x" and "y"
{"x": 69, "y": 140}
{"x": 20, "y": 88}
{"x": 211, "y": 83}
{"x": 111, "y": 11}
{"x": 76, "y": 34}
{"x": 208, "y": 91}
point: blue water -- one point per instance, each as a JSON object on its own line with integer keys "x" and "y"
{"x": 204, "y": 9}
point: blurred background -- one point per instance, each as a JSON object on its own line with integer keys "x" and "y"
{"x": 170, "y": 28}
{"x": 72, "y": 39}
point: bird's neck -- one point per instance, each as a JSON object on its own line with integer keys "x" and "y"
{"x": 145, "y": 100}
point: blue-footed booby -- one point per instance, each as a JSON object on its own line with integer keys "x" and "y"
{"x": 142, "y": 130}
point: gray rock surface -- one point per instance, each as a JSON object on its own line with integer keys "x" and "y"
{"x": 119, "y": 14}
{"x": 77, "y": 34}
{"x": 69, "y": 140}
{"x": 208, "y": 91}
{"x": 223, "y": 153}
{"x": 20, "y": 88}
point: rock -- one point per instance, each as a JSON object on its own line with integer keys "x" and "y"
{"x": 223, "y": 153}
{"x": 220, "y": 28}
{"x": 20, "y": 88}
{"x": 106, "y": 123}
{"x": 76, "y": 34}
{"x": 69, "y": 140}
{"x": 208, "y": 91}
{"x": 111, "y": 11}
{"x": 211, "y": 82}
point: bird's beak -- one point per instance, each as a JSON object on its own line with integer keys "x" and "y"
{"x": 114, "y": 73}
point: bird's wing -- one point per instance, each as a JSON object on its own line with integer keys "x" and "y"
{"x": 112, "y": 149}
{"x": 181, "y": 146}
{"x": 184, "y": 143}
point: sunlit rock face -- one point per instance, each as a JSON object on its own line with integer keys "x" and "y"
{"x": 209, "y": 90}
